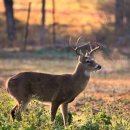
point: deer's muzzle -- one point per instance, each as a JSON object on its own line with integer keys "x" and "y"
{"x": 98, "y": 67}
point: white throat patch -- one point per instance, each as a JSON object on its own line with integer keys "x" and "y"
{"x": 86, "y": 73}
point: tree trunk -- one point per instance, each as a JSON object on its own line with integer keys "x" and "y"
{"x": 10, "y": 19}
{"x": 54, "y": 20}
{"x": 43, "y": 12}
{"x": 43, "y": 20}
{"x": 119, "y": 15}
{"x": 127, "y": 14}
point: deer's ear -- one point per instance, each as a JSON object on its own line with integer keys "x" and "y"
{"x": 81, "y": 59}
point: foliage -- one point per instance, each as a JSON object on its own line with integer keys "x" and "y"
{"x": 37, "y": 118}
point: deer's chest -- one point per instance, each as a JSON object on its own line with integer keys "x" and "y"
{"x": 72, "y": 94}
{"x": 82, "y": 86}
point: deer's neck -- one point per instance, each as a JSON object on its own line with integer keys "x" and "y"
{"x": 81, "y": 76}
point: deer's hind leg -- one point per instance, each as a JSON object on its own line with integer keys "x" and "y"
{"x": 13, "y": 112}
{"x": 16, "y": 111}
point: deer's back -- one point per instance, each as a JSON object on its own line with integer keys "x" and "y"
{"x": 46, "y": 87}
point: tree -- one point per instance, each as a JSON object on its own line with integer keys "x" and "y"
{"x": 10, "y": 19}
{"x": 43, "y": 20}
{"x": 54, "y": 20}
{"x": 127, "y": 14}
{"x": 119, "y": 14}
{"x": 43, "y": 12}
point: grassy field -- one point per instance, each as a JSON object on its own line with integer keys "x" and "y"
{"x": 105, "y": 104}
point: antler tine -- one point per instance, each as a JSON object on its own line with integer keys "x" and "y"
{"x": 96, "y": 48}
{"x": 77, "y": 48}
{"x": 90, "y": 46}
{"x": 87, "y": 51}
{"x": 79, "y": 52}
{"x": 78, "y": 41}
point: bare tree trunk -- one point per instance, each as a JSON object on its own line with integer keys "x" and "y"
{"x": 128, "y": 23}
{"x": 119, "y": 15}
{"x": 26, "y": 28}
{"x": 54, "y": 20}
{"x": 43, "y": 13}
{"x": 43, "y": 20}
{"x": 11, "y": 31}
{"x": 127, "y": 14}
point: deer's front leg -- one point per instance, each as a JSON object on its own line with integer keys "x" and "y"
{"x": 54, "y": 107}
{"x": 64, "y": 109}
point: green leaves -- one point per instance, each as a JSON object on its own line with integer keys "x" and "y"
{"x": 103, "y": 117}
{"x": 38, "y": 118}
{"x": 90, "y": 126}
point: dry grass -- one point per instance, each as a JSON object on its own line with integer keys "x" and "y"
{"x": 114, "y": 82}
{"x": 73, "y": 19}
{"x": 67, "y": 13}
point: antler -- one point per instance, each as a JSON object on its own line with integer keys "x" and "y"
{"x": 95, "y": 49}
{"x": 79, "y": 49}
{"x": 70, "y": 43}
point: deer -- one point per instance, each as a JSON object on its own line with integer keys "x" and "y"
{"x": 58, "y": 90}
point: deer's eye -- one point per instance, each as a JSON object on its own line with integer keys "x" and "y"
{"x": 88, "y": 61}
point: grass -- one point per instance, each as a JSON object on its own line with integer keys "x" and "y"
{"x": 109, "y": 117}
{"x": 103, "y": 106}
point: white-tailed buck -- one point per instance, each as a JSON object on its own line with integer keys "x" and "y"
{"x": 56, "y": 89}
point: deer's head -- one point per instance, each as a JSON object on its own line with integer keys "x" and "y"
{"x": 85, "y": 57}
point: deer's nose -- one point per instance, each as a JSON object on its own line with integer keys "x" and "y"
{"x": 99, "y": 67}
